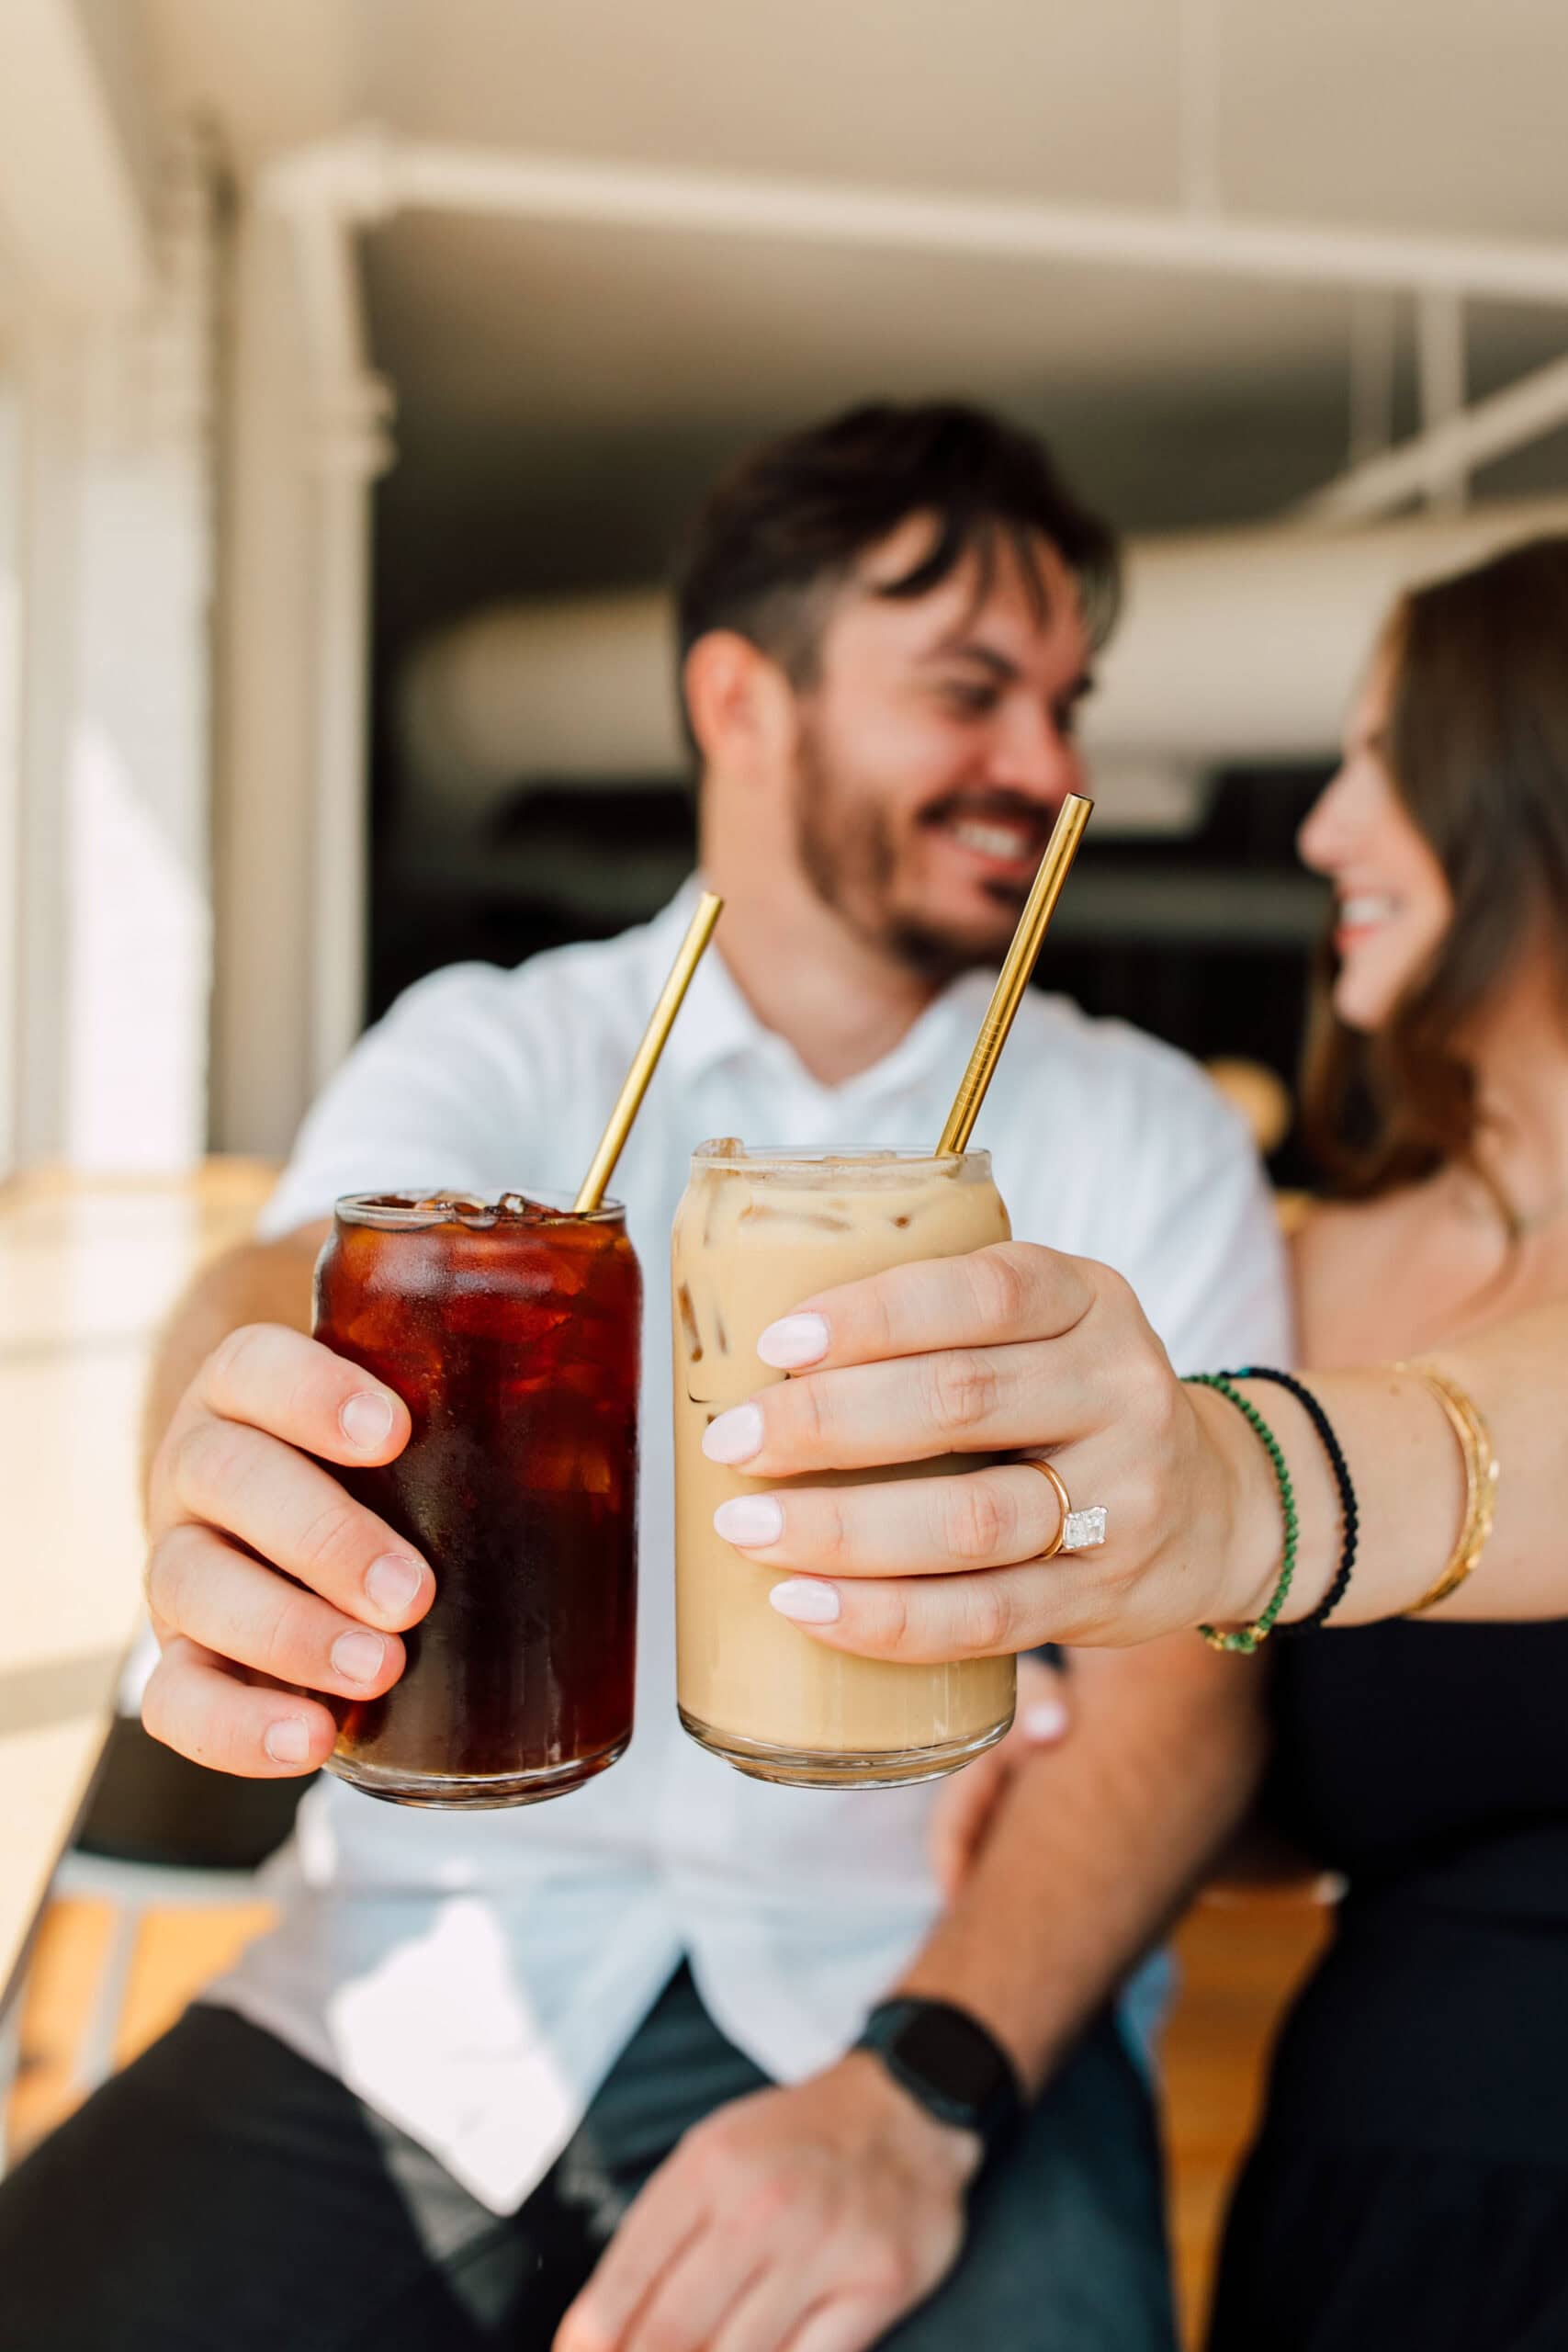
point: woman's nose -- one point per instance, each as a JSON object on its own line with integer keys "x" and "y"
{"x": 1320, "y": 840}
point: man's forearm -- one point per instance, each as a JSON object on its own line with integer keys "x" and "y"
{"x": 260, "y": 1281}
{"x": 1096, "y": 1844}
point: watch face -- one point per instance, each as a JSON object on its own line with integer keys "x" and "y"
{"x": 946, "y": 2051}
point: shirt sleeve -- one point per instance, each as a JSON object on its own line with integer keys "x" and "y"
{"x": 435, "y": 1097}
{"x": 1203, "y": 1246}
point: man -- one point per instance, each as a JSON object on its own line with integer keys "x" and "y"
{"x": 599, "y": 2054}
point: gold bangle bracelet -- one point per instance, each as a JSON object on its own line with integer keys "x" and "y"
{"x": 1481, "y": 1472}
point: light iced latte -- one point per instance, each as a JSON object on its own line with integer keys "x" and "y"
{"x": 756, "y": 1233}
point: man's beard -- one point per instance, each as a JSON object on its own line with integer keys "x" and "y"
{"x": 850, "y": 855}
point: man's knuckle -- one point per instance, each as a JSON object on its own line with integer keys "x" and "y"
{"x": 887, "y": 2267}
{"x": 763, "y": 2202}
{"x": 155, "y": 1712}
{"x": 167, "y": 1717}
{"x": 706, "y": 2152}
{"x": 283, "y": 1632}
{"x": 208, "y": 1459}
{"x": 332, "y": 1538}
{"x": 239, "y": 1356}
{"x": 166, "y": 1581}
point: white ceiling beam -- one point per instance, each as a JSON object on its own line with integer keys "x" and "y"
{"x": 1451, "y": 450}
{"x": 1440, "y": 367}
{"x": 369, "y": 175}
{"x": 73, "y": 218}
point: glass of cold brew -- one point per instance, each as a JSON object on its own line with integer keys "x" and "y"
{"x": 757, "y": 1232}
{"x": 511, "y": 1330}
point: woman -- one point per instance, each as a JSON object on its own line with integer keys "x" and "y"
{"x": 1410, "y": 2182}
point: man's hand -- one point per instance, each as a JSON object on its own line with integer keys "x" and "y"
{"x": 806, "y": 2220}
{"x": 969, "y": 1800}
{"x": 266, "y": 1581}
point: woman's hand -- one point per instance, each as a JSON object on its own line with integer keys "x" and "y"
{"x": 1014, "y": 1348}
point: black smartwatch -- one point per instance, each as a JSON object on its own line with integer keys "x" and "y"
{"x": 947, "y": 2061}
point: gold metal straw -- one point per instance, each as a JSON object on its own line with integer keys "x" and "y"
{"x": 644, "y": 1062}
{"x": 1007, "y": 995}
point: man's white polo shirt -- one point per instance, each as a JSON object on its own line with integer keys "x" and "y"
{"x": 474, "y": 1977}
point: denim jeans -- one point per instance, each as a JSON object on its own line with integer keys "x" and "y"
{"x": 223, "y": 2195}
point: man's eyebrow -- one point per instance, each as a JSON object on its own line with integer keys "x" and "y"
{"x": 968, "y": 648}
{"x": 1004, "y": 668}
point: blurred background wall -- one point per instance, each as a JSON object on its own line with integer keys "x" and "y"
{"x": 359, "y": 360}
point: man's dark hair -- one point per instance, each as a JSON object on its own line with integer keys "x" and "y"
{"x": 784, "y": 527}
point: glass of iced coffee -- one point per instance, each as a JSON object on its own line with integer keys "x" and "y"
{"x": 510, "y": 1331}
{"x": 757, "y": 1232}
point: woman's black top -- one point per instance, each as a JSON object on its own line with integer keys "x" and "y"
{"x": 1410, "y": 2182}
{"x": 1430, "y": 1758}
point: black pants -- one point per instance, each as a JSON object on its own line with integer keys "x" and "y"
{"x": 223, "y": 2195}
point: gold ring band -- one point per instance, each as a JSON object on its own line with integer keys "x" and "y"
{"x": 1048, "y": 1470}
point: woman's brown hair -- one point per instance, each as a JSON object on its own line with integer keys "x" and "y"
{"x": 1476, "y": 745}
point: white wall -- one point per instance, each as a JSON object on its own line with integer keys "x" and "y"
{"x": 108, "y": 354}
{"x": 262, "y": 804}
{"x": 10, "y": 759}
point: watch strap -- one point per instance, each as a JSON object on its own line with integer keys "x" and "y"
{"x": 949, "y": 2062}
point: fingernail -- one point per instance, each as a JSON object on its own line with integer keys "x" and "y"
{"x": 794, "y": 1341}
{"x": 393, "y": 1584}
{"x": 749, "y": 1519}
{"x": 366, "y": 1420}
{"x": 287, "y": 1741}
{"x": 805, "y": 1601}
{"x": 735, "y": 1436}
{"x": 359, "y": 1656}
{"x": 1044, "y": 1721}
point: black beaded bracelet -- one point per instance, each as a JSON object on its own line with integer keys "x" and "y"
{"x": 1349, "y": 1512}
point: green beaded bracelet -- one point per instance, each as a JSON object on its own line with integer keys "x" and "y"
{"x": 1251, "y": 1637}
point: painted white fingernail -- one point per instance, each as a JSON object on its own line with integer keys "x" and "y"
{"x": 287, "y": 1741}
{"x": 749, "y": 1520}
{"x": 1044, "y": 1721}
{"x": 806, "y": 1602}
{"x": 392, "y": 1584}
{"x": 794, "y": 1341}
{"x": 365, "y": 1420}
{"x": 735, "y": 1436}
{"x": 358, "y": 1656}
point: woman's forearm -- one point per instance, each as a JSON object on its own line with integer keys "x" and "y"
{"x": 1410, "y": 1484}
{"x": 1019, "y": 1351}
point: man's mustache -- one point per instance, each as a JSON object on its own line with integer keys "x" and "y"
{"x": 993, "y": 807}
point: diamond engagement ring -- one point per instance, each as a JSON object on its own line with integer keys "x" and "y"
{"x": 1080, "y": 1531}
